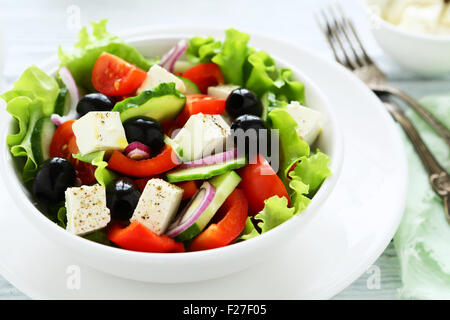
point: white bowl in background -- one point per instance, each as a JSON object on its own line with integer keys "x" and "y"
{"x": 425, "y": 54}
{"x": 191, "y": 266}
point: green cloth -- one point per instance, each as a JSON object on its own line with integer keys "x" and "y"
{"x": 422, "y": 241}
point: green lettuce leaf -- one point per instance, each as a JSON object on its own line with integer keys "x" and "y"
{"x": 102, "y": 175}
{"x": 202, "y": 50}
{"x": 27, "y": 113}
{"x": 90, "y": 46}
{"x": 36, "y": 85}
{"x": 264, "y": 77}
{"x": 249, "y": 231}
{"x": 244, "y": 66}
{"x": 298, "y": 191}
{"x": 290, "y": 89}
{"x": 262, "y": 73}
{"x": 292, "y": 148}
{"x": 312, "y": 170}
{"x": 33, "y": 97}
{"x": 232, "y": 56}
{"x": 275, "y": 212}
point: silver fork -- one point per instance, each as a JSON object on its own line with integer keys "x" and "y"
{"x": 438, "y": 177}
{"x": 349, "y": 51}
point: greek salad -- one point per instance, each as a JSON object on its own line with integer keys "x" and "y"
{"x": 209, "y": 145}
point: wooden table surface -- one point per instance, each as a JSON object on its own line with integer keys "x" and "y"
{"x": 34, "y": 29}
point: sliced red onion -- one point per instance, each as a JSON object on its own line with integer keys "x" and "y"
{"x": 56, "y": 119}
{"x": 169, "y": 59}
{"x": 193, "y": 211}
{"x": 137, "y": 151}
{"x": 71, "y": 85}
{"x": 214, "y": 159}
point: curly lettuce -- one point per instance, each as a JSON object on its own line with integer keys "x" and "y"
{"x": 38, "y": 86}
{"x": 102, "y": 175}
{"x": 298, "y": 191}
{"x": 292, "y": 148}
{"x": 249, "y": 231}
{"x": 233, "y": 56}
{"x": 89, "y": 47}
{"x": 202, "y": 50}
{"x": 32, "y": 98}
{"x": 312, "y": 170}
{"x": 244, "y": 66}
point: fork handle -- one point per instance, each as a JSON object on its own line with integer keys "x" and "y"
{"x": 426, "y": 115}
{"x": 439, "y": 178}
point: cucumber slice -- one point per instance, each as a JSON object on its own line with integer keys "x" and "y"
{"x": 41, "y": 138}
{"x": 224, "y": 184}
{"x": 205, "y": 172}
{"x": 191, "y": 87}
{"x": 175, "y": 146}
{"x": 162, "y": 103}
{"x": 62, "y": 104}
{"x": 269, "y": 102}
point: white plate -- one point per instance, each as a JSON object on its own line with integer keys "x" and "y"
{"x": 348, "y": 234}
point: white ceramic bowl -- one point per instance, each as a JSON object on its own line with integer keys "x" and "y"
{"x": 180, "y": 267}
{"x": 426, "y": 55}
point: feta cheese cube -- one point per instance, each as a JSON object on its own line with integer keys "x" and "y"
{"x": 157, "y": 205}
{"x": 86, "y": 209}
{"x": 100, "y": 131}
{"x": 221, "y": 91}
{"x": 201, "y": 135}
{"x": 157, "y": 75}
{"x": 309, "y": 121}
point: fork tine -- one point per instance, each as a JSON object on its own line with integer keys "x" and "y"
{"x": 340, "y": 25}
{"x": 333, "y": 32}
{"x": 329, "y": 39}
{"x": 346, "y": 20}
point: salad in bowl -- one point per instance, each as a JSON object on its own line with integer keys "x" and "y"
{"x": 209, "y": 145}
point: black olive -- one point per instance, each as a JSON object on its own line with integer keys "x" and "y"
{"x": 247, "y": 134}
{"x": 122, "y": 197}
{"x": 147, "y": 131}
{"x": 52, "y": 180}
{"x": 242, "y": 101}
{"x": 94, "y": 102}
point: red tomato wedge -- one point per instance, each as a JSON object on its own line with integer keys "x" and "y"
{"x": 189, "y": 187}
{"x": 234, "y": 211}
{"x": 142, "y": 182}
{"x": 63, "y": 145}
{"x": 163, "y": 162}
{"x": 260, "y": 182}
{"x": 60, "y": 140}
{"x": 200, "y": 103}
{"x": 137, "y": 237}
{"x": 114, "y": 76}
{"x": 205, "y": 75}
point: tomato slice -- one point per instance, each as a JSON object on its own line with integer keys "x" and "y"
{"x": 63, "y": 145}
{"x": 114, "y": 76}
{"x": 163, "y": 162}
{"x": 189, "y": 187}
{"x": 200, "y": 103}
{"x": 260, "y": 182}
{"x": 60, "y": 140}
{"x": 234, "y": 211}
{"x": 137, "y": 237}
{"x": 205, "y": 75}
